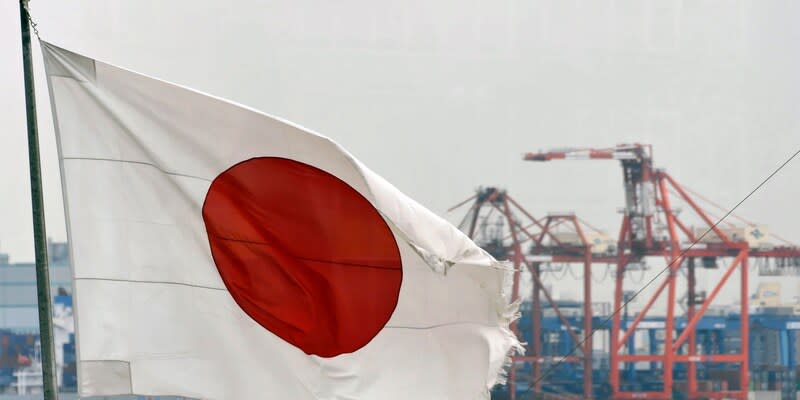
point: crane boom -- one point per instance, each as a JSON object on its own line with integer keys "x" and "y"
{"x": 634, "y": 151}
{"x": 639, "y": 177}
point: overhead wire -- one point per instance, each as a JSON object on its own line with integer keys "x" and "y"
{"x": 461, "y": 203}
{"x": 563, "y": 272}
{"x": 588, "y": 225}
{"x": 641, "y": 276}
{"x": 711, "y": 214}
{"x": 605, "y": 275}
{"x": 572, "y": 273}
{"x": 734, "y": 215}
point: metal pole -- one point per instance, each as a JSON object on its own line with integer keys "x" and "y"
{"x": 674, "y": 265}
{"x": 587, "y": 322}
{"x": 536, "y": 328}
{"x": 616, "y": 323}
{"x": 744, "y": 320}
{"x": 518, "y": 257}
{"x": 37, "y": 202}
{"x": 692, "y": 367}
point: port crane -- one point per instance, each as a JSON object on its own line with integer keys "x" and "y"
{"x": 503, "y": 227}
{"x": 651, "y": 227}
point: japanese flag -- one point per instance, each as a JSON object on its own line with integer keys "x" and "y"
{"x": 221, "y": 253}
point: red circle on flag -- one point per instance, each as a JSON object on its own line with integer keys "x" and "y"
{"x": 303, "y": 253}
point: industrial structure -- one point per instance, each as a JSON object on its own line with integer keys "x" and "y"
{"x": 686, "y": 357}
{"x": 20, "y": 356}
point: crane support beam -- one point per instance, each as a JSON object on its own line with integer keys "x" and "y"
{"x": 692, "y": 324}
{"x": 643, "y": 313}
{"x": 713, "y": 226}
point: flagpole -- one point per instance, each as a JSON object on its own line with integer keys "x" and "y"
{"x": 37, "y": 202}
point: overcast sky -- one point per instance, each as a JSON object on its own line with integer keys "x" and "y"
{"x": 441, "y": 97}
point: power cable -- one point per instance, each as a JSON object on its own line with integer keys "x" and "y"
{"x": 605, "y": 275}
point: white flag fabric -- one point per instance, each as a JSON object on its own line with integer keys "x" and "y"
{"x": 221, "y": 253}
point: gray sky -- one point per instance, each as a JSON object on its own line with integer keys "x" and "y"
{"x": 440, "y": 97}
